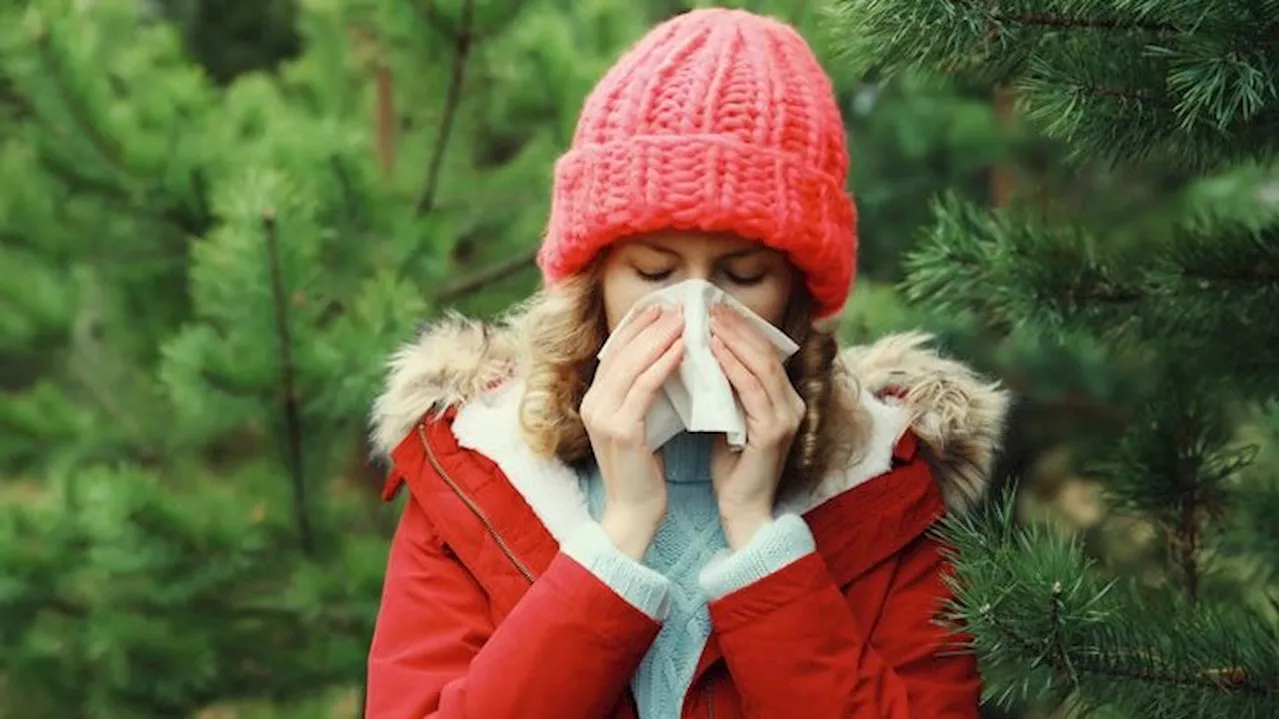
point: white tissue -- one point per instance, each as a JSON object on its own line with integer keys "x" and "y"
{"x": 698, "y": 397}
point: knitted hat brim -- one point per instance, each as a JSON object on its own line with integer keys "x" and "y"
{"x": 710, "y": 183}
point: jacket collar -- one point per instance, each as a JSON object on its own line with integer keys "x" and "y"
{"x": 490, "y": 426}
{"x": 465, "y": 366}
{"x": 530, "y": 505}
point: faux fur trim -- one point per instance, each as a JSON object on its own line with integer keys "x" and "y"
{"x": 958, "y": 417}
{"x": 456, "y": 362}
{"x": 449, "y": 363}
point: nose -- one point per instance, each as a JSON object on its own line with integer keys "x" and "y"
{"x": 700, "y": 268}
{"x": 700, "y": 273}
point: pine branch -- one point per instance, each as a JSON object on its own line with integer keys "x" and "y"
{"x": 1124, "y": 110}
{"x": 1061, "y": 21}
{"x": 292, "y": 413}
{"x": 484, "y": 278}
{"x": 107, "y": 149}
{"x": 1045, "y": 625}
{"x": 996, "y": 17}
{"x": 461, "y": 52}
{"x": 117, "y": 190}
{"x": 1202, "y": 276}
{"x": 1152, "y": 83}
{"x": 1115, "y": 665}
{"x": 1047, "y": 277}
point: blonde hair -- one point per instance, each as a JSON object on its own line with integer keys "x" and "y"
{"x": 563, "y": 327}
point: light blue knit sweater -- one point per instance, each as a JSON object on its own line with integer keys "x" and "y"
{"x": 687, "y": 564}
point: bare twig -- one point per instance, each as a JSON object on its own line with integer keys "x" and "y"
{"x": 488, "y": 276}
{"x": 461, "y": 51}
{"x": 292, "y": 415}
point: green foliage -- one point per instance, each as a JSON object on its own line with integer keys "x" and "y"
{"x": 165, "y": 609}
{"x": 1251, "y": 536}
{"x": 1210, "y": 281}
{"x": 232, "y": 38}
{"x": 1048, "y": 628}
{"x": 1162, "y": 257}
{"x": 1187, "y": 85}
{"x": 908, "y": 139}
{"x": 216, "y": 223}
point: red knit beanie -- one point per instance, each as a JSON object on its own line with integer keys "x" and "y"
{"x": 720, "y": 121}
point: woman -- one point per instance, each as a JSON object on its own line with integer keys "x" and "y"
{"x": 548, "y": 563}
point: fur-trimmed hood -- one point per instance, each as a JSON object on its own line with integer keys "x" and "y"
{"x": 957, "y": 416}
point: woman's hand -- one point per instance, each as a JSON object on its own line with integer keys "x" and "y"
{"x": 643, "y": 355}
{"x": 746, "y": 482}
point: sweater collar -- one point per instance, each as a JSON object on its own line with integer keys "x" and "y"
{"x": 686, "y": 458}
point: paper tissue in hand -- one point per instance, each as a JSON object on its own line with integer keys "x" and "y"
{"x": 698, "y": 397}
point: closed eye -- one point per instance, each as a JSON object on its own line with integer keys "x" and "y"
{"x": 745, "y": 280}
{"x": 653, "y": 276}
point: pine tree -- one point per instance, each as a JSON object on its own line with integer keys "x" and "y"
{"x": 1156, "y": 249}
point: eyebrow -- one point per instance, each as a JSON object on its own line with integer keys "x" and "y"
{"x": 736, "y": 254}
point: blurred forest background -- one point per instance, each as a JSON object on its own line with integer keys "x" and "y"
{"x": 218, "y": 217}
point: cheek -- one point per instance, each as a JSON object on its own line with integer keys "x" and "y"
{"x": 620, "y": 293}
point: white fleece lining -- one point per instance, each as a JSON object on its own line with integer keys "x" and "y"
{"x": 490, "y": 425}
{"x": 888, "y": 423}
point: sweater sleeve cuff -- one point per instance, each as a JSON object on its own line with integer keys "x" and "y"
{"x": 642, "y": 587}
{"x": 774, "y": 546}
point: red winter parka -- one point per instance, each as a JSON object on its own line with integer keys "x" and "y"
{"x": 483, "y": 618}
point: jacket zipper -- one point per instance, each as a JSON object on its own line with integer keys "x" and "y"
{"x": 711, "y": 707}
{"x": 475, "y": 509}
